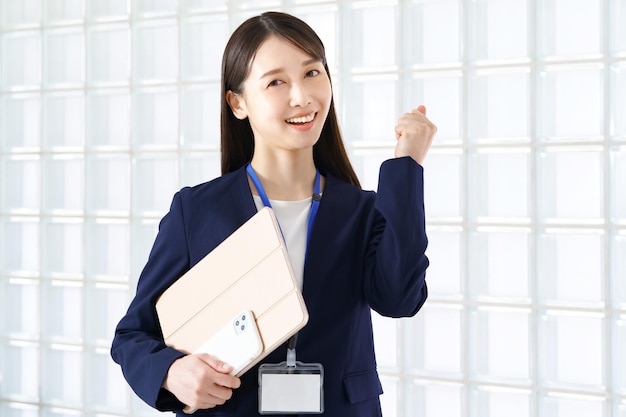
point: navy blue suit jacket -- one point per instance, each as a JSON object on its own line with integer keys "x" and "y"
{"x": 366, "y": 251}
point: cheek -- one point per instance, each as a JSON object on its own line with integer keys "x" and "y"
{"x": 265, "y": 105}
{"x": 325, "y": 95}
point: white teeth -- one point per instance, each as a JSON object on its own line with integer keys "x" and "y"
{"x": 305, "y": 119}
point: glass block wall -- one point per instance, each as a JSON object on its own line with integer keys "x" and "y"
{"x": 107, "y": 107}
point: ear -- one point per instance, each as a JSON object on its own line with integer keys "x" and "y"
{"x": 237, "y": 105}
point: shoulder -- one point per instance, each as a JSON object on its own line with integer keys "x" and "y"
{"x": 213, "y": 210}
{"x": 226, "y": 195}
{"x": 207, "y": 194}
{"x": 216, "y": 186}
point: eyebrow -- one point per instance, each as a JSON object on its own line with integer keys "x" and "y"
{"x": 278, "y": 70}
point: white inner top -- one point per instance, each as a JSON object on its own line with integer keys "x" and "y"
{"x": 293, "y": 217}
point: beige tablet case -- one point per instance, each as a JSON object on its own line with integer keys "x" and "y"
{"x": 249, "y": 270}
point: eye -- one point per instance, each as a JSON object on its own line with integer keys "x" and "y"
{"x": 274, "y": 83}
{"x": 312, "y": 73}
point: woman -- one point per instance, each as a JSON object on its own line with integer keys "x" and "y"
{"x": 365, "y": 250}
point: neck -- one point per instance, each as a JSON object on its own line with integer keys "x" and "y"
{"x": 286, "y": 179}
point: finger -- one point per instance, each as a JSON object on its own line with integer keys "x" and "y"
{"x": 223, "y": 376}
{"x": 408, "y": 119}
{"x": 210, "y": 401}
{"x": 416, "y": 115}
{"x": 213, "y": 362}
{"x": 398, "y": 131}
{"x": 218, "y": 395}
{"x": 228, "y": 381}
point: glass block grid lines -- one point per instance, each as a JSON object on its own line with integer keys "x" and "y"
{"x": 107, "y": 107}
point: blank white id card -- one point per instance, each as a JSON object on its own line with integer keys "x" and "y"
{"x": 291, "y": 389}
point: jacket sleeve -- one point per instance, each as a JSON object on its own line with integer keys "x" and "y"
{"x": 138, "y": 345}
{"x": 395, "y": 263}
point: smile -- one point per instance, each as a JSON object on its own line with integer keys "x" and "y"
{"x": 302, "y": 120}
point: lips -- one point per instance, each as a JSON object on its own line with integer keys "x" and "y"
{"x": 301, "y": 119}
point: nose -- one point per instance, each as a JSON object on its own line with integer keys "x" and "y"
{"x": 299, "y": 95}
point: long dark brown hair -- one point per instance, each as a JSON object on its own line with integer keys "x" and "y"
{"x": 237, "y": 139}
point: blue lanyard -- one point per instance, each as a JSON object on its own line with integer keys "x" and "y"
{"x": 315, "y": 203}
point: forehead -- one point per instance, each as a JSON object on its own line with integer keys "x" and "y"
{"x": 276, "y": 52}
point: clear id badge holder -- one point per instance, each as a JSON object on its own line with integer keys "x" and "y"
{"x": 291, "y": 387}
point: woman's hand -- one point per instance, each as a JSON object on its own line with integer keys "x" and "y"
{"x": 200, "y": 381}
{"x": 415, "y": 134}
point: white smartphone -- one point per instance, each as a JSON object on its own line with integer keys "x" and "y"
{"x": 237, "y": 343}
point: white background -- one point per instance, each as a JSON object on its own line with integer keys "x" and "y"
{"x": 107, "y": 107}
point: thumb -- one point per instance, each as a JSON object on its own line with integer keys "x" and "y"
{"x": 213, "y": 362}
{"x": 421, "y": 109}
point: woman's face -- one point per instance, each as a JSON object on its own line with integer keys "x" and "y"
{"x": 286, "y": 97}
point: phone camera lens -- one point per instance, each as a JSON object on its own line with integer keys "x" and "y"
{"x": 237, "y": 323}
{"x": 243, "y": 327}
{"x": 243, "y": 317}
